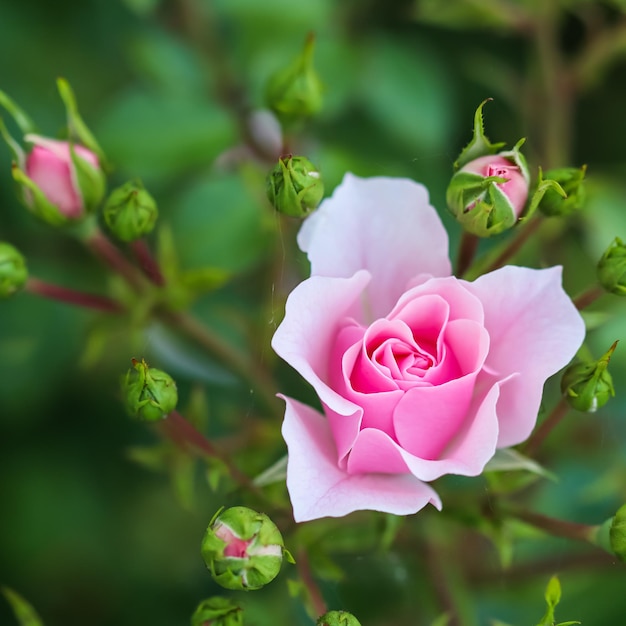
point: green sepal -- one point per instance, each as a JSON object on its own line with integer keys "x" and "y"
{"x": 571, "y": 182}
{"x": 479, "y": 145}
{"x": 338, "y": 618}
{"x": 35, "y": 200}
{"x": 23, "y": 611}
{"x": 91, "y": 182}
{"x": 217, "y": 611}
{"x": 544, "y": 186}
{"x": 25, "y": 124}
{"x": 16, "y": 150}
{"x": 77, "y": 129}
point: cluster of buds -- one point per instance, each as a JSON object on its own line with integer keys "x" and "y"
{"x": 242, "y": 549}
{"x": 294, "y": 186}
{"x": 490, "y": 189}
{"x": 588, "y": 385}
{"x": 149, "y": 394}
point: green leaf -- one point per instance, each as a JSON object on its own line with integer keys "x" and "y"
{"x": 442, "y": 620}
{"x": 204, "y": 279}
{"x": 24, "y": 612}
{"x": 273, "y": 474}
{"x": 25, "y": 124}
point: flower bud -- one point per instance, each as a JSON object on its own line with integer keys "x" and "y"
{"x": 617, "y": 534}
{"x": 571, "y": 180}
{"x": 488, "y": 194}
{"x": 338, "y": 618}
{"x": 611, "y": 269}
{"x": 130, "y": 211}
{"x": 294, "y": 93}
{"x": 294, "y": 186}
{"x": 242, "y": 549}
{"x": 13, "y": 271}
{"x": 588, "y": 385}
{"x": 149, "y": 393}
{"x": 217, "y": 611}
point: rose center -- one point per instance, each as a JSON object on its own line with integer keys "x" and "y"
{"x": 399, "y": 359}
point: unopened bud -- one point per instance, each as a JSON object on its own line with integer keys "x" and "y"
{"x": 617, "y": 534}
{"x": 217, "y": 611}
{"x": 130, "y": 211}
{"x": 294, "y": 93}
{"x": 149, "y": 394}
{"x": 13, "y": 271}
{"x": 242, "y": 549}
{"x": 612, "y": 268}
{"x": 587, "y": 386}
{"x": 338, "y": 618}
{"x": 571, "y": 180}
{"x": 294, "y": 186}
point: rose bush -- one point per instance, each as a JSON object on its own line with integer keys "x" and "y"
{"x": 420, "y": 374}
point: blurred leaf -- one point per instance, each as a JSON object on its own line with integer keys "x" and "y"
{"x": 142, "y": 7}
{"x": 24, "y": 612}
{"x": 157, "y": 136}
{"x": 393, "y": 523}
{"x": 182, "y": 476}
{"x": 154, "y": 457}
{"x": 204, "y": 279}
{"x": 324, "y": 567}
{"x": 442, "y": 620}
{"x": 273, "y": 474}
{"x": 402, "y": 86}
{"x": 467, "y": 14}
{"x": 510, "y": 460}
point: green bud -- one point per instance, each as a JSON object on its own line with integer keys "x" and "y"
{"x": 294, "y": 186}
{"x": 617, "y": 533}
{"x": 242, "y": 549}
{"x": 294, "y": 93}
{"x": 130, "y": 211}
{"x": 217, "y": 611}
{"x": 611, "y": 269}
{"x": 149, "y": 393}
{"x": 338, "y": 618}
{"x": 571, "y": 180}
{"x": 13, "y": 271}
{"x": 587, "y": 386}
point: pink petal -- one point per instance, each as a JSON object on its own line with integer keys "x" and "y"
{"x": 318, "y": 488}
{"x": 535, "y": 331}
{"x": 383, "y": 225}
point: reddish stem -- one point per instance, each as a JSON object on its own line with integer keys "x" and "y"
{"x": 553, "y": 526}
{"x": 467, "y": 251}
{"x": 147, "y": 262}
{"x": 72, "y": 296}
{"x": 523, "y": 234}
{"x": 546, "y": 427}
{"x": 586, "y": 298}
{"x": 306, "y": 576}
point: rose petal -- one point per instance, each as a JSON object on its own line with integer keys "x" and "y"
{"x": 383, "y": 225}
{"x": 318, "y": 488}
{"x": 535, "y": 330}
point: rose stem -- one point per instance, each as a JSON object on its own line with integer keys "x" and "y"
{"x": 537, "y": 438}
{"x": 72, "y": 296}
{"x": 553, "y": 526}
{"x": 467, "y": 251}
{"x": 147, "y": 262}
{"x": 441, "y": 584}
{"x": 183, "y": 433}
{"x": 234, "y": 361}
{"x": 522, "y": 235}
{"x": 112, "y": 257}
{"x": 583, "y": 300}
{"x": 306, "y": 576}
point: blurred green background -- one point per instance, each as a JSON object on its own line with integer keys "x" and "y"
{"x": 87, "y": 535}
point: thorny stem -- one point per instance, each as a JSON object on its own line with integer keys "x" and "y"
{"x": 306, "y": 576}
{"x": 583, "y": 300}
{"x": 72, "y": 296}
{"x": 467, "y": 250}
{"x": 553, "y": 526}
{"x": 547, "y": 426}
{"x": 147, "y": 262}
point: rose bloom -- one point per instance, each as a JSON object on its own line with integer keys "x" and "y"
{"x": 49, "y": 165}
{"x": 420, "y": 374}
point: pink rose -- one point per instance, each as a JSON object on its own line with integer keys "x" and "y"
{"x": 420, "y": 374}
{"x": 49, "y": 165}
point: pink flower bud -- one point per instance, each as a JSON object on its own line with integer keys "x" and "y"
{"x": 49, "y": 165}
{"x": 516, "y": 186}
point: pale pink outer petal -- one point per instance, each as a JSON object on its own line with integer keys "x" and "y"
{"x": 318, "y": 488}
{"x": 535, "y": 330}
{"x": 384, "y": 225}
